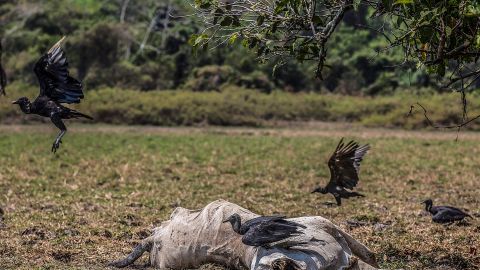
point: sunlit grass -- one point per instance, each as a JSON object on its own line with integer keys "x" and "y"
{"x": 103, "y": 191}
{"x": 235, "y": 106}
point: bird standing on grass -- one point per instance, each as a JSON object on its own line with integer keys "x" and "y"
{"x": 344, "y": 167}
{"x": 56, "y": 87}
{"x": 444, "y": 214}
{"x": 265, "y": 231}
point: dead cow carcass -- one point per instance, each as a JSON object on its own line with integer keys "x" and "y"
{"x": 192, "y": 238}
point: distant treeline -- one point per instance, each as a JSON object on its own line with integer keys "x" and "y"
{"x": 236, "y": 106}
{"x": 135, "y": 45}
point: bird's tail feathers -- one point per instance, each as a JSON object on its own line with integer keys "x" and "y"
{"x": 77, "y": 114}
{"x": 292, "y": 224}
{"x": 298, "y": 225}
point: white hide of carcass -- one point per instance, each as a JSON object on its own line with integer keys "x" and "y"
{"x": 192, "y": 238}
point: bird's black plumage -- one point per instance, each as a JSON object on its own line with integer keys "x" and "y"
{"x": 444, "y": 214}
{"x": 344, "y": 165}
{"x": 264, "y": 231}
{"x": 56, "y": 87}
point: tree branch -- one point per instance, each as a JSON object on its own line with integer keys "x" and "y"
{"x": 3, "y": 76}
{"x": 124, "y": 10}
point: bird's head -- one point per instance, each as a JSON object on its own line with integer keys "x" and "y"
{"x": 232, "y": 219}
{"x": 320, "y": 190}
{"x": 428, "y": 203}
{"x": 235, "y": 221}
{"x": 24, "y": 104}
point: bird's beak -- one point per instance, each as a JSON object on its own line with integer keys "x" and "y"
{"x": 15, "y": 102}
{"x": 225, "y": 221}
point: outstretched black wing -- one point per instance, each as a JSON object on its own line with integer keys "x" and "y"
{"x": 344, "y": 164}
{"x": 55, "y": 82}
{"x": 254, "y": 221}
{"x": 3, "y": 76}
{"x": 270, "y": 231}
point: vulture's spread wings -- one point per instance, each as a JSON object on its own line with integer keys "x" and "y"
{"x": 55, "y": 82}
{"x": 257, "y": 220}
{"x": 344, "y": 164}
{"x": 268, "y": 232}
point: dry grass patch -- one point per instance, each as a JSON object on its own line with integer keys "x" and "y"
{"x": 104, "y": 191}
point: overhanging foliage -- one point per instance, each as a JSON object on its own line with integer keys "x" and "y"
{"x": 442, "y": 36}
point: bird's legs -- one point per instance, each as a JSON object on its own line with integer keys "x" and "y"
{"x": 339, "y": 200}
{"x": 57, "y": 121}
{"x": 58, "y": 141}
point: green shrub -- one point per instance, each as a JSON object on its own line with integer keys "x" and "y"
{"x": 209, "y": 78}
{"x": 256, "y": 80}
{"x": 235, "y": 106}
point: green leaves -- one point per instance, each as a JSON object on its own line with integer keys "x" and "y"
{"x": 217, "y": 14}
{"x": 230, "y": 21}
{"x": 426, "y": 30}
{"x": 317, "y": 20}
{"x": 387, "y": 5}
{"x": 295, "y": 6}
{"x": 260, "y": 20}
{"x": 227, "y": 21}
{"x": 205, "y": 4}
{"x": 281, "y": 6}
{"x": 88, "y": 6}
{"x": 435, "y": 33}
{"x": 250, "y": 42}
{"x": 473, "y": 9}
{"x": 356, "y": 4}
{"x": 233, "y": 38}
{"x": 404, "y": 2}
{"x": 197, "y": 40}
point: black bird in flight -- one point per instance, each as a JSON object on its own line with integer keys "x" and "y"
{"x": 344, "y": 167}
{"x": 56, "y": 87}
{"x": 265, "y": 231}
{"x": 444, "y": 214}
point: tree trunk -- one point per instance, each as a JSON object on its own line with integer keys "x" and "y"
{"x": 123, "y": 10}
{"x": 3, "y": 76}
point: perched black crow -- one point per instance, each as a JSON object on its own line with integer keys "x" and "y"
{"x": 344, "y": 167}
{"x": 3, "y": 76}
{"x": 444, "y": 214}
{"x": 56, "y": 86}
{"x": 265, "y": 231}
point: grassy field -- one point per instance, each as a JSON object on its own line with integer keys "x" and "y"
{"x": 235, "y": 106}
{"x": 108, "y": 186}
